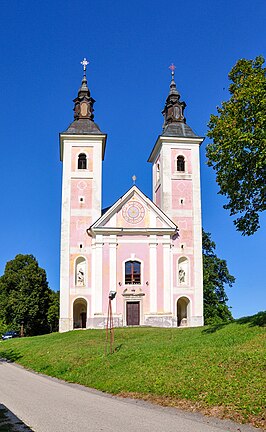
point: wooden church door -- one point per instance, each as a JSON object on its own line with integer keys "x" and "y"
{"x": 133, "y": 313}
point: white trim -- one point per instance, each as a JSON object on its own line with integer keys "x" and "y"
{"x": 65, "y": 241}
{"x": 189, "y": 307}
{"x": 167, "y": 282}
{"x": 153, "y": 275}
{"x": 122, "y": 201}
{"x": 177, "y": 283}
{"x": 141, "y": 271}
{"x": 86, "y": 271}
{"x": 98, "y": 275}
{"x": 133, "y": 231}
{"x": 180, "y": 142}
{"x": 77, "y": 158}
{"x": 133, "y": 299}
{"x": 72, "y": 309}
{"x": 82, "y": 174}
{"x": 176, "y": 172}
{"x": 197, "y": 235}
{"x": 93, "y": 279}
{"x": 113, "y": 270}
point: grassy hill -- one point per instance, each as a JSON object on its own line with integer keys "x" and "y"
{"x": 219, "y": 370}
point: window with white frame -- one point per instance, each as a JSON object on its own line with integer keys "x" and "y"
{"x": 132, "y": 272}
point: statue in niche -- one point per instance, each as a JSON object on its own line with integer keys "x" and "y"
{"x": 80, "y": 277}
{"x": 182, "y": 276}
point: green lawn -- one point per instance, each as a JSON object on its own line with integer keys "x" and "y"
{"x": 219, "y": 369}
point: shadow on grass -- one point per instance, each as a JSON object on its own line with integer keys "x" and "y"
{"x": 9, "y": 355}
{"x": 255, "y": 320}
{"x": 215, "y": 327}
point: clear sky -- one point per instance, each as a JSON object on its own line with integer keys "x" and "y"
{"x": 130, "y": 45}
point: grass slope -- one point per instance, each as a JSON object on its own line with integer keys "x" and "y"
{"x": 217, "y": 369}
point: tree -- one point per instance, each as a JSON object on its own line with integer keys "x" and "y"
{"x": 215, "y": 276}
{"x": 25, "y": 296}
{"x": 53, "y": 311}
{"x": 238, "y": 151}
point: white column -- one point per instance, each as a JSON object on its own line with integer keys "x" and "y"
{"x": 64, "y": 248}
{"x": 98, "y": 274}
{"x": 93, "y": 279}
{"x": 112, "y": 269}
{"x": 197, "y": 227}
{"x": 166, "y": 184}
{"x": 97, "y": 181}
{"x": 167, "y": 275}
{"x": 153, "y": 275}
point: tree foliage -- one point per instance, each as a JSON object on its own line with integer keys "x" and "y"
{"x": 53, "y": 311}
{"x": 238, "y": 151}
{"x": 215, "y": 276}
{"x": 26, "y": 297}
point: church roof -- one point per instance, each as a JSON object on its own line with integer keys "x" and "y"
{"x": 83, "y": 126}
{"x": 178, "y": 130}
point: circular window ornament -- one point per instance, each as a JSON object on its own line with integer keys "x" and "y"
{"x": 133, "y": 212}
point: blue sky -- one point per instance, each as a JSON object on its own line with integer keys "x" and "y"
{"x": 130, "y": 45}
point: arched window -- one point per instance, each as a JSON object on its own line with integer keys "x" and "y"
{"x": 82, "y": 161}
{"x": 180, "y": 163}
{"x": 183, "y": 271}
{"x": 80, "y": 271}
{"x": 132, "y": 272}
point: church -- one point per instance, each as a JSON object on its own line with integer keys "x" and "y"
{"x": 147, "y": 252}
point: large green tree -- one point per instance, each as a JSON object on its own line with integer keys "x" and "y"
{"x": 215, "y": 276}
{"x": 238, "y": 150}
{"x": 25, "y": 296}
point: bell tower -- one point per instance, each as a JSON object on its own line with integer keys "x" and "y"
{"x": 176, "y": 190}
{"x": 82, "y": 148}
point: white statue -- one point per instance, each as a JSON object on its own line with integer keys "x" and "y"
{"x": 80, "y": 277}
{"x": 182, "y": 276}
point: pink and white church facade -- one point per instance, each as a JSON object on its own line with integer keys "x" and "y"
{"x": 148, "y": 251}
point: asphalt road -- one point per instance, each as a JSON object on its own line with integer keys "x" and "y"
{"x": 49, "y": 405}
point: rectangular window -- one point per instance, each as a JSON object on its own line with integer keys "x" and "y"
{"x": 132, "y": 272}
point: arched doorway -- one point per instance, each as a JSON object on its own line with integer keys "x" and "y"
{"x": 79, "y": 313}
{"x": 182, "y": 311}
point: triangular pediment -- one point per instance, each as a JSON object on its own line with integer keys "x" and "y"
{"x": 134, "y": 213}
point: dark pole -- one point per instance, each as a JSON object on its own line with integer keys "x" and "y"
{"x": 110, "y": 323}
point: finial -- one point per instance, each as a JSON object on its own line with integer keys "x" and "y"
{"x": 173, "y": 89}
{"x": 172, "y": 68}
{"x": 134, "y": 178}
{"x": 84, "y": 63}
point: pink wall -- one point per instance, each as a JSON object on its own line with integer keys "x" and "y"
{"x": 86, "y": 193}
{"x": 187, "y": 154}
{"x": 74, "y": 157}
{"x": 182, "y": 189}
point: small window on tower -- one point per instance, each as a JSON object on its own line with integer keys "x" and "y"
{"x": 180, "y": 163}
{"x": 82, "y": 161}
{"x": 157, "y": 172}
